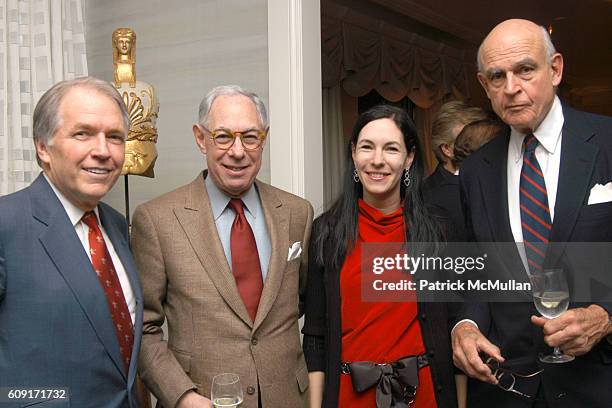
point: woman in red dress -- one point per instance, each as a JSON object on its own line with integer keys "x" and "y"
{"x": 376, "y": 352}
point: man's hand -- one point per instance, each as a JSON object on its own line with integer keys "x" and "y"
{"x": 468, "y": 343}
{"x": 192, "y": 399}
{"x": 575, "y": 331}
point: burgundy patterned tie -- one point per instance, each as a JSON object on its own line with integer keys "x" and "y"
{"x": 245, "y": 260}
{"x": 535, "y": 213}
{"x": 103, "y": 265}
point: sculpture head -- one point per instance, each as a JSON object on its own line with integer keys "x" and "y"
{"x": 124, "y": 43}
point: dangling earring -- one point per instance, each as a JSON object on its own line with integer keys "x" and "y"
{"x": 407, "y": 177}
{"x": 355, "y": 176}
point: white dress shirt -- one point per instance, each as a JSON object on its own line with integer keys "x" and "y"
{"x": 548, "y": 153}
{"x": 82, "y": 230}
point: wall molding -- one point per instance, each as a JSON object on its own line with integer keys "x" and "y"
{"x": 294, "y": 61}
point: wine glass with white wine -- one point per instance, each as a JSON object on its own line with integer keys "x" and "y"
{"x": 226, "y": 391}
{"x": 551, "y": 298}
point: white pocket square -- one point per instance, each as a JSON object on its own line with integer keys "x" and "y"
{"x": 600, "y": 194}
{"x": 295, "y": 250}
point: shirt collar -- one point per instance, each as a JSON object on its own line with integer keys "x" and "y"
{"x": 74, "y": 213}
{"x": 548, "y": 133}
{"x": 219, "y": 200}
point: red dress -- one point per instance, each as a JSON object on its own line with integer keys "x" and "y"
{"x": 381, "y": 332}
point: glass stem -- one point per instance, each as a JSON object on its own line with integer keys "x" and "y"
{"x": 557, "y": 352}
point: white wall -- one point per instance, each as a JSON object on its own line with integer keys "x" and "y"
{"x": 183, "y": 49}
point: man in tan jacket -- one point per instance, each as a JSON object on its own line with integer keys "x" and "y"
{"x": 221, "y": 261}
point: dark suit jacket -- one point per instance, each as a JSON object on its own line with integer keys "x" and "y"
{"x": 586, "y": 159}
{"x": 441, "y": 191}
{"x": 55, "y": 326}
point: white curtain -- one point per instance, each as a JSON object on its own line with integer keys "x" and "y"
{"x": 41, "y": 42}
{"x": 334, "y": 145}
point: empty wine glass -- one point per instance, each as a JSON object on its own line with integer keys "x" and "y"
{"x": 551, "y": 298}
{"x": 226, "y": 391}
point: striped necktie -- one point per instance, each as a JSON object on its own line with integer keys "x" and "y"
{"x": 535, "y": 212}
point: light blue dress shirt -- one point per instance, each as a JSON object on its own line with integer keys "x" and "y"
{"x": 224, "y": 218}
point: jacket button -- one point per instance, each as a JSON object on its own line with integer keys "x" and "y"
{"x": 439, "y": 388}
{"x": 423, "y": 316}
{"x": 431, "y": 354}
{"x": 254, "y": 341}
{"x": 250, "y": 390}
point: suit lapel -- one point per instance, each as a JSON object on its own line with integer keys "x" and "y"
{"x": 197, "y": 221}
{"x": 66, "y": 251}
{"x": 123, "y": 252}
{"x": 277, "y": 222}
{"x": 495, "y": 195}
{"x": 495, "y": 190}
{"x": 575, "y": 174}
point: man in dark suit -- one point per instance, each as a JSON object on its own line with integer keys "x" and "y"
{"x": 520, "y": 70}
{"x": 70, "y": 299}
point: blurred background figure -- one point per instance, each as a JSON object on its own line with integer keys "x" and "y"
{"x": 473, "y": 136}
{"x": 441, "y": 189}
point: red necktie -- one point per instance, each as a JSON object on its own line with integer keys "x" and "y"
{"x": 245, "y": 260}
{"x": 103, "y": 265}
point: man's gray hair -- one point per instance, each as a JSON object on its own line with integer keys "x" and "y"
{"x": 549, "y": 48}
{"x": 231, "y": 90}
{"x": 46, "y": 118}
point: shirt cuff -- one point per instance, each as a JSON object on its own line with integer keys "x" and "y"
{"x": 461, "y": 321}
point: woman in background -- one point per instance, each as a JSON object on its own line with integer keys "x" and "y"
{"x": 381, "y": 202}
{"x": 441, "y": 188}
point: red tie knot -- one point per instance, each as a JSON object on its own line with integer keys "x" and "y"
{"x": 237, "y": 205}
{"x": 90, "y": 219}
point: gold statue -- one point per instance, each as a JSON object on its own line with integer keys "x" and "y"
{"x": 142, "y": 104}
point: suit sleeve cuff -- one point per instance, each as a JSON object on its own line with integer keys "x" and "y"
{"x": 183, "y": 394}
{"x": 315, "y": 353}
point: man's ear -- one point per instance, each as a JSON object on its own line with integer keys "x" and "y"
{"x": 42, "y": 151}
{"x": 556, "y": 66}
{"x": 200, "y": 138}
{"x": 263, "y": 143}
{"x": 447, "y": 150}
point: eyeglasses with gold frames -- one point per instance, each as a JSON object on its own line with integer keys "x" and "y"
{"x": 224, "y": 139}
{"x": 507, "y": 379}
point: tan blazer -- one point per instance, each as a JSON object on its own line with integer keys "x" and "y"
{"x": 187, "y": 281}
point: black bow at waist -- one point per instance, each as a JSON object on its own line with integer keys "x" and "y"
{"x": 396, "y": 382}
